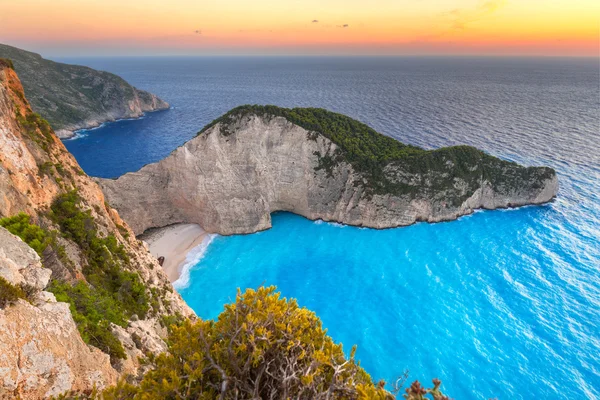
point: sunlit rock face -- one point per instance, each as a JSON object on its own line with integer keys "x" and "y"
{"x": 42, "y": 353}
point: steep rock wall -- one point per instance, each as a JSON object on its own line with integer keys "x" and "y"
{"x": 41, "y": 351}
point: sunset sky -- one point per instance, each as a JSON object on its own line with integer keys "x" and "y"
{"x": 348, "y": 27}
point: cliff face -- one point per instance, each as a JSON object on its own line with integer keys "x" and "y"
{"x": 41, "y": 350}
{"x": 233, "y": 175}
{"x": 73, "y": 97}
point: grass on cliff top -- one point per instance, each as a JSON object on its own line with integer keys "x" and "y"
{"x": 358, "y": 140}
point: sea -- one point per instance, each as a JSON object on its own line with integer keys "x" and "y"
{"x": 499, "y": 304}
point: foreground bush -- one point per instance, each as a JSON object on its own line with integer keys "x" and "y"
{"x": 262, "y": 346}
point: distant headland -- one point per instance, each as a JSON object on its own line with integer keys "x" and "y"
{"x": 73, "y": 97}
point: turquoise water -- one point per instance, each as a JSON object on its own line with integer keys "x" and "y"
{"x": 499, "y": 304}
{"x": 485, "y": 303}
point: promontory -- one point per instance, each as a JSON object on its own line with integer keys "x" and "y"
{"x": 72, "y": 97}
{"x": 256, "y": 160}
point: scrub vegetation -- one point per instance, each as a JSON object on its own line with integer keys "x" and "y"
{"x": 261, "y": 347}
{"x": 111, "y": 293}
{"x": 10, "y": 293}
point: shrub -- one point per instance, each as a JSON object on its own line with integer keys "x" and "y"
{"x": 93, "y": 310}
{"x": 10, "y": 293}
{"x": 262, "y": 346}
{"x": 111, "y": 294}
{"x": 106, "y": 258}
{"x": 7, "y": 62}
{"x": 33, "y": 124}
{"x": 21, "y": 226}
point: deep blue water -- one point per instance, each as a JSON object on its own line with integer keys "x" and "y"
{"x": 498, "y": 304}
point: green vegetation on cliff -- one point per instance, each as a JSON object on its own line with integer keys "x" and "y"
{"x": 21, "y": 226}
{"x": 371, "y": 154}
{"x": 10, "y": 293}
{"x": 261, "y": 346}
{"x": 8, "y": 62}
{"x": 93, "y": 310}
{"x": 109, "y": 294}
{"x": 112, "y": 293}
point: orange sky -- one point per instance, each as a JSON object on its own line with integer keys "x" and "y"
{"x": 156, "y": 27}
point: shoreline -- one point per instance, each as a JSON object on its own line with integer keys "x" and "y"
{"x": 67, "y": 134}
{"x": 174, "y": 243}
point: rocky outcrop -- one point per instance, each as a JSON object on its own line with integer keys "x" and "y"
{"x": 248, "y": 164}
{"x": 41, "y": 351}
{"x": 73, "y": 97}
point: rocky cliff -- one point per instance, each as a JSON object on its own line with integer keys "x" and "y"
{"x": 113, "y": 295}
{"x": 74, "y": 97}
{"x": 43, "y": 354}
{"x": 257, "y": 160}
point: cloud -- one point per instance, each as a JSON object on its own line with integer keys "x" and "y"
{"x": 198, "y": 32}
{"x": 315, "y": 21}
{"x": 343, "y": 26}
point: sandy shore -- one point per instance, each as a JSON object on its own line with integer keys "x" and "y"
{"x": 173, "y": 242}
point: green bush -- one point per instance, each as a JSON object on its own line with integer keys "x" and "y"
{"x": 10, "y": 293}
{"x": 93, "y": 310}
{"x": 21, "y": 226}
{"x": 106, "y": 258}
{"x": 262, "y": 346}
{"x": 33, "y": 124}
{"x": 112, "y": 294}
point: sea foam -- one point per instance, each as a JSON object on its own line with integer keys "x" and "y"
{"x": 192, "y": 259}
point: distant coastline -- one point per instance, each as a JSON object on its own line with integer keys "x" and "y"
{"x": 66, "y": 134}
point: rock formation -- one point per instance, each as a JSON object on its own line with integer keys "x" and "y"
{"x": 73, "y": 97}
{"x": 42, "y": 353}
{"x": 258, "y": 160}
{"x": 41, "y": 350}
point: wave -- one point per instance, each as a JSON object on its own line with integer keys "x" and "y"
{"x": 192, "y": 259}
{"x": 334, "y": 224}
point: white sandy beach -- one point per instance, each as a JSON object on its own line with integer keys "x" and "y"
{"x": 174, "y": 242}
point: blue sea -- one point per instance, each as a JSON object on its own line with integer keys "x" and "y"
{"x": 501, "y": 304}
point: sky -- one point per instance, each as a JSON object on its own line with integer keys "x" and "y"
{"x": 302, "y": 27}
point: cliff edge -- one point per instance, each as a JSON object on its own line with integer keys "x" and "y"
{"x": 73, "y": 97}
{"x": 81, "y": 300}
{"x": 256, "y": 160}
